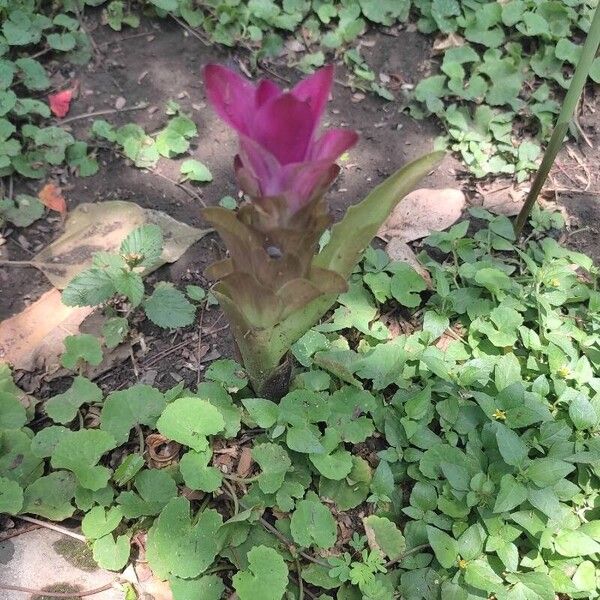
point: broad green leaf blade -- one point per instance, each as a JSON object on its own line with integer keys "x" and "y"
{"x": 266, "y": 577}
{"x": 354, "y": 232}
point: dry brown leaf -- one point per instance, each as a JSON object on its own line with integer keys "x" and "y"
{"x": 245, "y": 462}
{"x": 443, "y": 42}
{"x": 507, "y": 200}
{"x": 51, "y": 196}
{"x": 399, "y": 250}
{"x": 92, "y": 228}
{"x": 422, "y": 212}
{"x": 34, "y": 338}
{"x": 162, "y": 451}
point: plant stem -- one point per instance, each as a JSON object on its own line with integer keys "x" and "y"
{"x": 300, "y": 582}
{"x": 44, "y": 593}
{"x": 240, "y": 479}
{"x": 62, "y": 530}
{"x": 571, "y": 100}
{"x": 233, "y": 496}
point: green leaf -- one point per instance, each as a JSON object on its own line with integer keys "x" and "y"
{"x": 112, "y": 554}
{"x": 480, "y": 575}
{"x": 383, "y": 535}
{"x": 22, "y": 211}
{"x": 313, "y": 524}
{"x": 209, "y": 587}
{"x": 45, "y": 440}
{"x": 99, "y": 522}
{"x": 11, "y": 497}
{"x": 189, "y": 420}
{"x": 532, "y": 586}
{"x": 51, "y": 496}
{"x": 548, "y": 471}
{"x": 83, "y": 347}
{"x": 512, "y": 448}
{"x": 128, "y": 469}
{"x": 63, "y": 408}
{"x": 167, "y": 307}
{"x": 34, "y": 74}
{"x": 406, "y": 285}
{"x": 177, "y": 546}
{"x": 575, "y": 543}
{"x": 444, "y": 547}
{"x": 17, "y": 461}
{"x": 80, "y": 451}
{"x": 115, "y": 331}
{"x": 228, "y": 373}
{"x": 582, "y": 413}
{"x": 274, "y": 462}
{"x": 265, "y": 565}
{"x": 334, "y": 465}
{"x": 197, "y": 474}
{"x": 123, "y": 410}
{"x": 263, "y": 412}
{"x": 195, "y": 171}
{"x": 470, "y": 543}
{"x": 62, "y": 42}
{"x": 512, "y": 493}
{"x": 155, "y": 487}
{"x": 12, "y": 412}
{"x": 143, "y": 246}
{"x": 89, "y": 288}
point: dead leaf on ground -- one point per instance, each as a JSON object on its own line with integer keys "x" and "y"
{"x": 443, "y": 42}
{"x": 245, "y": 463}
{"x": 92, "y": 228}
{"x": 507, "y": 200}
{"x": 422, "y": 212}
{"x": 51, "y": 196}
{"x": 399, "y": 250}
{"x": 34, "y": 338}
{"x": 162, "y": 451}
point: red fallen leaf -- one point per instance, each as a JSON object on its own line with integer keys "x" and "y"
{"x": 60, "y": 102}
{"x": 51, "y": 196}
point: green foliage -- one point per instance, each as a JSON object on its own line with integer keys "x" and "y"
{"x": 483, "y": 95}
{"x": 26, "y": 147}
{"x": 122, "y": 274}
{"x": 475, "y": 466}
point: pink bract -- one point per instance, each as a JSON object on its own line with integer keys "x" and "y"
{"x": 281, "y": 153}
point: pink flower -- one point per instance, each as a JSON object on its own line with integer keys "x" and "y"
{"x": 281, "y": 153}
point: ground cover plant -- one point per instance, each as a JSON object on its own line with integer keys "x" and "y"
{"x": 457, "y": 460}
{"x": 435, "y": 432}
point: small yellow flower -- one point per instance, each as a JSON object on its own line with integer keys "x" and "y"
{"x": 462, "y": 563}
{"x": 499, "y": 415}
{"x": 564, "y": 371}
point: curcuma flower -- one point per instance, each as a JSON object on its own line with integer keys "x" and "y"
{"x": 281, "y": 152}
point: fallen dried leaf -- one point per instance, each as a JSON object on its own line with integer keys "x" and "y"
{"x": 33, "y": 339}
{"x": 245, "y": 462}
{"x": 399, "y": 250}
{"x": 92, "y": 228}
{"x": 506, "y": 200}
{"x": 443, "y": 42}
{"x": 422, "y": 212}
{"x": 161, "y": 451}
{"x": 60, "y": 102}
{"x": 51, "y": 196}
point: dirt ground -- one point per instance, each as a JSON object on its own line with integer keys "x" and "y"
{"x": 165, "y": 65}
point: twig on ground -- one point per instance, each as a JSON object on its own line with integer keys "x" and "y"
{"x": 180, "y": 185}
{"x": 44, "y": 593}
{"x": 54, "y": 527}
{"x": 125, "y": 38}
{"x": 414, "y": 550}
{"x": 16, "y": 263}
{"x": 108, "y": 111}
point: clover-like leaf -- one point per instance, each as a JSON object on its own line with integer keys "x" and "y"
{"x": 11, "y": 497}
{"x": 406, "y": 285}
{"x": 263, "y": 412}
{"x": 220, "y": 399}
{"x": 112, "y": 554}
{"x": 208, "y": 587}
{"x": 99, "y": 522}
{"x": 179, "y": 546}
{"x": 228, "y": 373}
{"x": 12, "y": 412}
{"x": 196, "y": 473}
{"x": 313, "y": 524}
{"x": 139, "y": 405}
{"x": 155, "y": 487}
{"x": 83, "y": 347}
{"x": 80, "y": 452}
{"x": 51, "y": 496}
{"x": 189, "y": 420}
{"x": 63, "y": 408}
{"x": 266, "y": 577}
{"x": 274, "y": 462}
{"x": 46, "y": 439}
